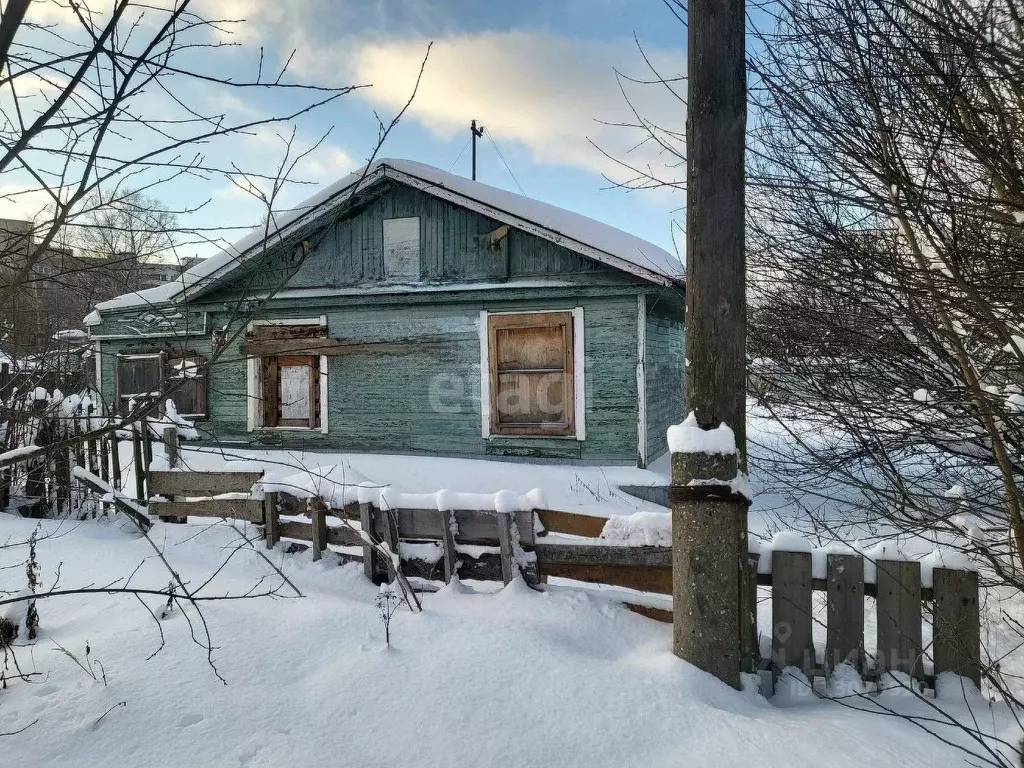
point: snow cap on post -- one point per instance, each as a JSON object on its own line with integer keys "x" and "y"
{"x": 690, "y": 437}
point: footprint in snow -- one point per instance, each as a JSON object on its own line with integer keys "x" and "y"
{"x": 191, "y": 719}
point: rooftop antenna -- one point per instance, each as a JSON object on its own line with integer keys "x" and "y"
{"x": 476, "y": 133}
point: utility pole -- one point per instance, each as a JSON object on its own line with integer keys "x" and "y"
{"x": 477, "y": 133}
{"x": 711, "y": 624}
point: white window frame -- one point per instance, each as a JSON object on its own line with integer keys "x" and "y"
{"x": 404, "y": 278}
{"x": 579, "y": 373}
{"x": 254, "y": 381}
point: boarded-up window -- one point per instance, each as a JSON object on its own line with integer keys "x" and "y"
{"x": 402, "y": 249}
{"x": 291, "y": 391}
{"x": 531, "y": 373}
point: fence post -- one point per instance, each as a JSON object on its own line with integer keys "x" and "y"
{"x": 391, "y": 539}
{"x": 103, "y": 453}
{"x": 147, "y": 445}
{"x": 173, "y": 450}
{"x": 845, "y": 611}
{"x": 366, "y": 522}
{"x": 448, "y": 544}
{"x": 753, "y": 560}
{"x": 505, "y": 542}
{"x": 62, "y": 472}
{"x": 956, "y": 622}
{"x": 172, "y": 446}
{"x": 91, "y": 446}
{"x": 271, "y": 519}
{"x": 898, "y": 604}
{"x": 792, "y": 642}
{"x": 115, "y": 459}
{"x": 318, "y": 513}
{"x": 140, "y": 470}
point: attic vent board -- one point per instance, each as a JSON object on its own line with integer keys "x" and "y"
{"x": 402, "y": 249}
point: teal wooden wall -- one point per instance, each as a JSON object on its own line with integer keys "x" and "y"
{"x": 427, "y": 399}
{"x": 349, "y": 251}
{"x": 665, "y": 355}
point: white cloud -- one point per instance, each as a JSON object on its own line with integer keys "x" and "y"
{"x": 548, "y": 92}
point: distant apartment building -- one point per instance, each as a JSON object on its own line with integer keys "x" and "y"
{"x": 52, "y": 290}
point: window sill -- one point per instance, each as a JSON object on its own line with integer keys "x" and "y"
{"x": 287, "y": 429}
{"x": 533, "y": 437}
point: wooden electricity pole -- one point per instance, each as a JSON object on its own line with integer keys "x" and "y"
{"x": 475, "y": 133}
{"x": 709, "y": 520}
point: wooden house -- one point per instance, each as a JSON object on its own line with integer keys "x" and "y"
{"x": 408, "y": 310}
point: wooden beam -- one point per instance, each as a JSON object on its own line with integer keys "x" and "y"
{"x": 639, "y": 577}
{"x": 335, "y": 347}
{"x": 571, "y": 523}
{"x": 585, "y": 554}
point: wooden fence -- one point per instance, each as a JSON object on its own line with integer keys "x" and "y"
{"x": 481, "y": 544}
{"x": 63, "y": 474}
{"x": 476, "y": 544}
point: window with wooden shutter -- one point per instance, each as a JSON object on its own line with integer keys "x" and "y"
{"x": 291, "y": 391}
{"x": 186, "y": 384}
{"x": 174, "y": 374}
{"x": 138, "y": 378}
{"x": 531, "y": 362}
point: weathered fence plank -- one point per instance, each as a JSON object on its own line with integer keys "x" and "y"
{"x": 177, "y": 483}
{"x": 250, "y": 510}
{"x": 339, "y": 537}
{"x": 956, "y": 623}
{"x": 639, "y": 577}
{"x": 899, "y": 615}
{"x": 601, "y": 554}
{"x": 571, "y": 523}
{"x": 792, "y": 642}
{"x": 845, "y": 611}
{"x": 475, "y": 526}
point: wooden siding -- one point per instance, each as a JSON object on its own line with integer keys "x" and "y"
{"x": 454, "y": 247}
{"x": 425, "y": 398}
{"x": 664, "y": 370}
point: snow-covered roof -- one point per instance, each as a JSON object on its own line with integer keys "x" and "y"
{"x": 580, "y": 233}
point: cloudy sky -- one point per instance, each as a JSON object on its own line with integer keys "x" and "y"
{"x": 540, "y": 75}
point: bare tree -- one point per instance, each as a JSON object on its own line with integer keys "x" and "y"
{"x": 103, "y": 109}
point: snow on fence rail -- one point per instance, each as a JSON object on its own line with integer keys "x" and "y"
{"x": 432, "y": 536}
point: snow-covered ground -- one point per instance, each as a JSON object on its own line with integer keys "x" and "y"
{"x": 509, "y": 678}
